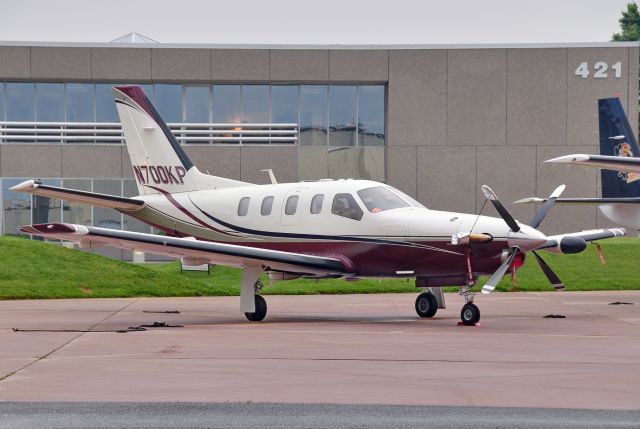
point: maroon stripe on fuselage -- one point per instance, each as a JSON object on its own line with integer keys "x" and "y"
{"x": 383, "y": 260}
{"x": 180, "y": 207}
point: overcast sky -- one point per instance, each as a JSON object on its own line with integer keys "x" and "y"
{"x": 313, "y": 22}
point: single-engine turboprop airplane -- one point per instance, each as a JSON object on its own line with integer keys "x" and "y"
{"x": 328, "y": 228}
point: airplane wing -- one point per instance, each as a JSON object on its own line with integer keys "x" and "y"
{"x": 554, "y": 241}
{"x": 214, "y": 253}
{"x": 102, "y": 200}
{"x": 622, "y": 163}
{"x": 537, "y": 200}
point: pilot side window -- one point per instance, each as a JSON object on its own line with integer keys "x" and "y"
{"x": 316, "y": 203}
{"x": 291, "y": 205}
{"x": 243, "y": 206}
{"x": 267, "y": 204}
{"x": 345, "y": 205}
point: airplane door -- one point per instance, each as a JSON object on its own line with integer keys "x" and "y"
{"x": 293, "y": 207}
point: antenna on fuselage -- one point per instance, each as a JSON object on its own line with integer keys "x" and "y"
{"x": 271, "y": 176}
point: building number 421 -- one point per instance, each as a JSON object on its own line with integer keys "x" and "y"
{"x": 600, "y": 70}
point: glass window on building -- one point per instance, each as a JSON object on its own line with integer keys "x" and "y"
{"x": 342, "y": 116}
{"x": 371, "y": 115}
{"x": 255, "y": 104}
{"x": 107, "y": 218}
{"x": 284, "y": 104}
{"x": 356, "y": 163}
{"x": 16, "y": 207}
{"x": 196, "y": 104}
{"x": 20, "y": 102}
{"x": 2, "y": 101}
{"x": 313, "y": 115}
{"x": 226, "y": 104}
{"x": 130, "y": 189}
{"x": 44, "y": 209}
{"x": 105, "y": 106}
{"x": 168, "y": 102}
{"x": 80, "y": 102}
{"x": 74, "y": 212}
{"x": 50, "y": 102}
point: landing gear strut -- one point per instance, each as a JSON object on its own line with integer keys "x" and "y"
{"x": 426, "y": 304}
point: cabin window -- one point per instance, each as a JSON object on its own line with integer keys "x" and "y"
{"x": 291, "y": 205}
{"x": 243, "y": 206}
{"x": 345, "y": 205}
{"x": 316, "y": 203}
{"x": 379, "y": 199}
{"x": 267, "y": 204}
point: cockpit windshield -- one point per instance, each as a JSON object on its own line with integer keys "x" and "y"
{"x": 379, "y": 199}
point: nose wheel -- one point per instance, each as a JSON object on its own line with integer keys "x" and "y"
{"x": 470, "y": 314}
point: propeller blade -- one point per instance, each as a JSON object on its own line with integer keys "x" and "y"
{"x": 493, "y": 281}
{"x": 491, "y": 196}
{"x": 542, "y": 211}
{"x": 551, "y": 276}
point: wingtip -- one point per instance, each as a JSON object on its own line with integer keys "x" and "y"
{"x": 578, "y": 157}
{"x": 27, "y": 185}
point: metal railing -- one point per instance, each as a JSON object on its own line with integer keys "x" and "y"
{"x": 111, "y": 132}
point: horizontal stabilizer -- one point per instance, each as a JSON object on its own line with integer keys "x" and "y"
{"x": 101, "y": 200}
{"x": 215, "y": 253}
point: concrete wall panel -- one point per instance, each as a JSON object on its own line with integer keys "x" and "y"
{"x": 60, "y": 63}
{"x": 536, "y": 97}
{"x": 221, "y": 161}
{"x": 580, "y": 182}
{"x": 417, "y": 100}
{"x": 91, "y": 161}
{"x": 127, "y": 170}
{"x": 583, "y": 93}
{"x": 632, "y": 98}
{"x": 476, "y": 109}
{"x": 511, "y": 173}
{"x": 359, "y": 65}
{"x": 313, "y": 163}
{"x": 240, "y": 65}
{"x": 447, "y": 178}
{"x": 182, "y": 65}
{"x": 31, "y": 161}
{"x": 283, "y": 160}
{"x": 402, "y": 165}
{"x": 299, "y": 65}
{"x": 15, "y": 62}
{"x": 126, "y": 64}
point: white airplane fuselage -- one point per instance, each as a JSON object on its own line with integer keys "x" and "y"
{"x": 405, "y": 241}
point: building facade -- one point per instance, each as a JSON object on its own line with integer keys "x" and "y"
{"x": 436, "y": 122}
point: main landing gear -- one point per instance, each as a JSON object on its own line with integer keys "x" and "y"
{"x": 261, "y": 310}
{"x": 426, "y": 305}
{"x": 252, "y": 305}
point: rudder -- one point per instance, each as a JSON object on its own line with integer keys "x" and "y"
{"x": 617, "y": 139}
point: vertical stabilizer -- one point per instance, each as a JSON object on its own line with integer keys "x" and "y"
{"x": 159, "y": 162}
{"x": 617, "y": 139}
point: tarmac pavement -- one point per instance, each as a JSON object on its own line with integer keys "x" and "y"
{"x": 339, "y": 349}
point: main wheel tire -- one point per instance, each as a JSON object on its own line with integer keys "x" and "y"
{"x": 426, "y": 304}
{"x": 470, "y": 314}
{"x": 261, "y": 310}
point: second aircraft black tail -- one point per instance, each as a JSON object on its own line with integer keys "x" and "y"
{"x": 617, "y": 139}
